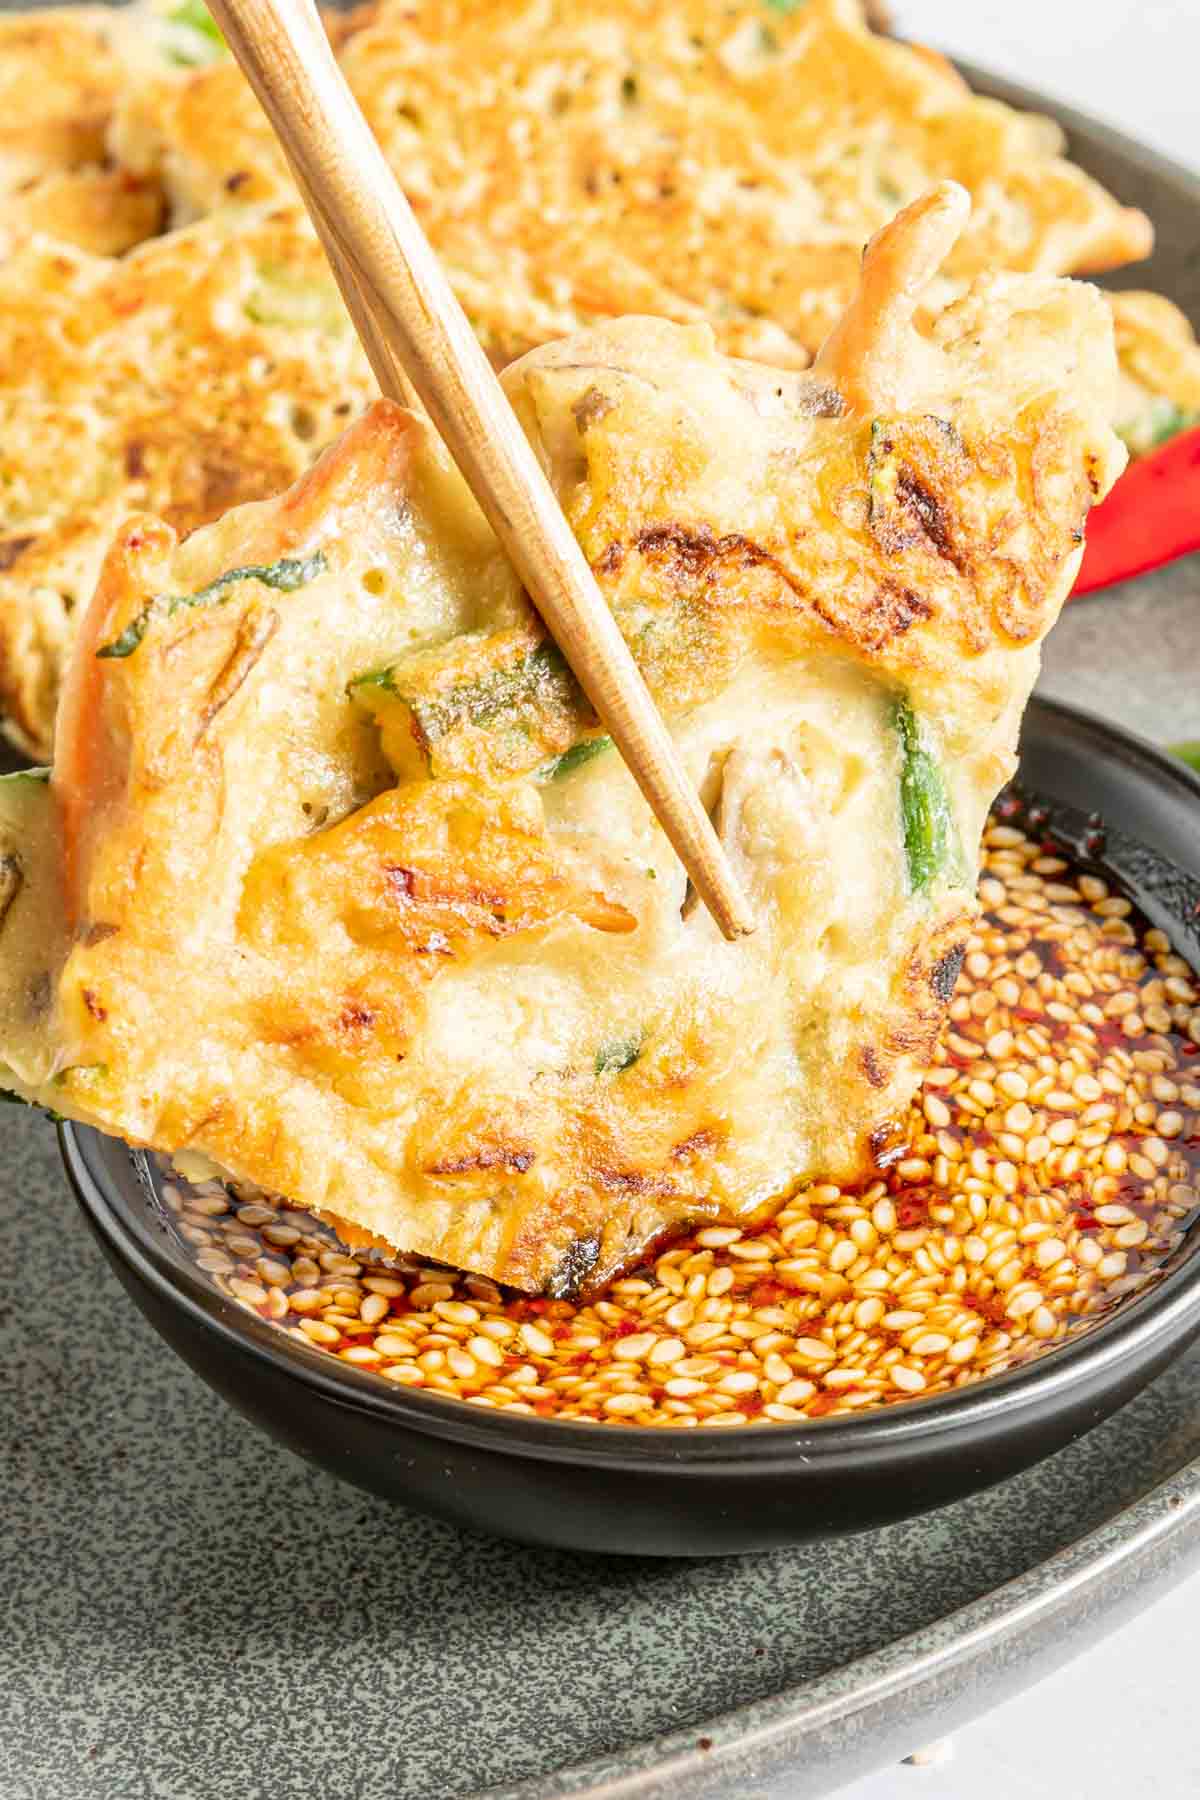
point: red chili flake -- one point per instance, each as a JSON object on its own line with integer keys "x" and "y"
{"x": 824, "y": 1403}
{"x": 658, "y": 1395}
{"x": 1027, "y": 1013}
{"x": 1009, "y": 806}
{"x": 1188, "y": 1048}
{"x": 913, "y": 1211}
{"x": 1086, "y": 1221}
{"x": 991, "y": 1309}
{"x": 580, "y": 1362}
{"x": 751, "y": 1404}
{"x": 768, "y": 1293}
{"x": 627, "y": 1328}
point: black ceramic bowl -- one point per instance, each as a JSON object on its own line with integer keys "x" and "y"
{"x": 1117, "y": 804}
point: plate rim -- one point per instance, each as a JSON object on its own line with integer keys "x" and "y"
{"x": 1157, "y": 1533}
{"x": 1163, "y": 1524}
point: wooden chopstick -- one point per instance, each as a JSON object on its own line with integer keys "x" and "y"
{"x": 413, "y": 329}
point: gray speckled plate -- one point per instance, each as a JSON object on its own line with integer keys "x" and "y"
{"x": 191, "y": 1612}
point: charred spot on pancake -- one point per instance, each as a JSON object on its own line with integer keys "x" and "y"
{"x": 355, "y": 1016}
{"x": 698, "y": 1144}
{"x": 872, "y": 1067}
{"x": 945, "y": 973}
{"x": 892, "y": 610}
{"x": 691, "y": 554}
{"x": 11, "y": 549}
{"x": 912, "y": 463}
{"x": 591, "y": 406}
{"x": 514, "y": 1159}
{"x": 913, "y": 493}
{"x": 574, "y": 1268}
{"x": 610, "y": 559}
{"x": 820, "y": 400}
{"x": 636, "y": 1182}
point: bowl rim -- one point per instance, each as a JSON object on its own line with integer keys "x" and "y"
{"x": 1134, "y": 1329}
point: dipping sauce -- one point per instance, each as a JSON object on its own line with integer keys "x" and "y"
{"x": 1052, "y": 1166}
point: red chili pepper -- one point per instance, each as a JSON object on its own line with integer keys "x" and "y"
{"x": 1151, "y": 517}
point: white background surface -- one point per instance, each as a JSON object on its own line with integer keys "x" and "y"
{"x": 1134, "y": 62}
{"x": 1122, "y": 1721}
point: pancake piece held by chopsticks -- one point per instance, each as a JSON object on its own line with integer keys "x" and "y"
{"x": 338, "y": 883}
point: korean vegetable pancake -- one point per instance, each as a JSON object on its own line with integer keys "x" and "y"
{"x": 571, "y": 163}
{"x": 1159, "y": 359}
{"x": 63, "y": 73}
{"x": 338, "y": 882}
{"x": 206, "y": 368}
{"x": 703, "y": 160}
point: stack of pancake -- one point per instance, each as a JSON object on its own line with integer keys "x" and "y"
{"x": 170, "y": 339}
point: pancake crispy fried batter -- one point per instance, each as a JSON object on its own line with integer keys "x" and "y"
{"x": 338, "y": 883}
{"x": 1160, "y": 370}
{"x": 698, "y": 160}
{"x": 203, "y": 370}
{"x": 703, "y": 161}
{"x": 63, "y": 73}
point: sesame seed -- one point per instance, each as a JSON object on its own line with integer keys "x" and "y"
{"x": 1052, "y": 1161}
{"x": 718, "y": 1237}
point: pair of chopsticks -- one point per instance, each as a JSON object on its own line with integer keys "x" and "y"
{"x": 414, "y": 332}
